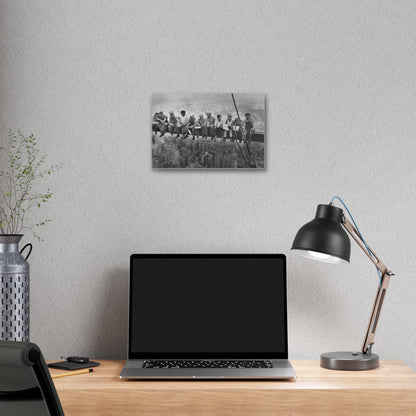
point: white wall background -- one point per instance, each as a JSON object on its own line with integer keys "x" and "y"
{"x": 340, "y": 84}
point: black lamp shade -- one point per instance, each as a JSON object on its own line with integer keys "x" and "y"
{"x": 324, "y": 238}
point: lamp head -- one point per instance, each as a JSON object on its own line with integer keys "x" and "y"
{"x": 324, "y": 238}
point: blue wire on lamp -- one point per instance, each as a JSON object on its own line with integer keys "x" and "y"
{"x": 356, "y": 226}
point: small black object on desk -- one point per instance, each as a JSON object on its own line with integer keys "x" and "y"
{"x": 76, "y": 359}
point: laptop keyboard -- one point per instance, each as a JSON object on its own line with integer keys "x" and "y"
{"x": 207, "y": 364}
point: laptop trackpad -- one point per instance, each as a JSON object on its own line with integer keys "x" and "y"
{"x": 145, "y": 372}
{"x": 207, "y": 373}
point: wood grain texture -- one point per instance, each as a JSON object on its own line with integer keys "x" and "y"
{"x": 387, "y": 390}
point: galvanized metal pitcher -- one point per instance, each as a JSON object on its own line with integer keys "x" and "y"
{"x": 14, "y": 289}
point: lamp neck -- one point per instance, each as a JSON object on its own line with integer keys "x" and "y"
{"x": 352, "y": 231}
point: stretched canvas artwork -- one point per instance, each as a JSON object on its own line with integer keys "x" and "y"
{"x": 208, "y": 131}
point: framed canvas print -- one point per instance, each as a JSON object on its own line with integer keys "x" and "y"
{"x": 208, "y": 131}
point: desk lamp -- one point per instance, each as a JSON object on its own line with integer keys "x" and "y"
{"x": 324, "y": 238}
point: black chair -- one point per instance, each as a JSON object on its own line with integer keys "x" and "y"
{"x": 26, "y": 387}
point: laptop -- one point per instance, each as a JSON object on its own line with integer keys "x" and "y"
{"x": 207, "y": 316}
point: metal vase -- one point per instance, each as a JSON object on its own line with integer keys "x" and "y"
{"x": 14, "y": 289}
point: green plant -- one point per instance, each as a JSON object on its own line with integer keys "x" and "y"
{"x": 24, "y": 167}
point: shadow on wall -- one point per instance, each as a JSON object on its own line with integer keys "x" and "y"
{"x": 108, "y": 333}
{"x": 313, "y": 297}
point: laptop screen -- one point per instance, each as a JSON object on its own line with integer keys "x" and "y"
{"x": 208, "y": 306}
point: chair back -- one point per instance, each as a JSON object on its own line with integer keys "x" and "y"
{"x": 26, "y": 386}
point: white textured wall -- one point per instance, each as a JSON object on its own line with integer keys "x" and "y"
{"x": 340, "y": 84}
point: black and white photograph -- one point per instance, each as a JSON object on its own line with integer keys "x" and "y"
{"x": 208, "y": 131}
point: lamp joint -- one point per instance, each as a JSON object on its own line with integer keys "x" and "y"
{"x": 369, "y": 349}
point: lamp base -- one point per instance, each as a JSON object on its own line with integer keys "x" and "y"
{"x": 349, "y": 360}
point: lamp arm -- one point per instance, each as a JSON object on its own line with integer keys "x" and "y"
{"x": 385, "y": 280}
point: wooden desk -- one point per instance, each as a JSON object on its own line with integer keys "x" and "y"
{"x": 388, "y": 390}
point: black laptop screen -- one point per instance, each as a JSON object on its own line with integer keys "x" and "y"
{"x": 211, "y": 306}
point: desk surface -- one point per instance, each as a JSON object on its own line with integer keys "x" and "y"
{"x": 387, "y": 390}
